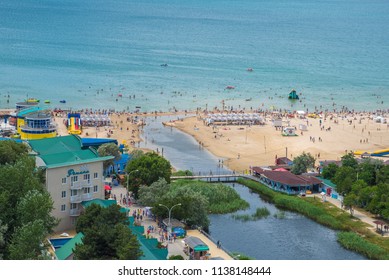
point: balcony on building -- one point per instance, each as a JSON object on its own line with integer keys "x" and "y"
{"x": 76, "y": 199}
{"x": 87, "y": 196}
{"x": 76, "y": 185}
{"x": 75, "y": 212}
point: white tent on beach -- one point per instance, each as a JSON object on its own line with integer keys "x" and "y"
{"x": 289, "y": 131}
{"x": 300, "y": 114}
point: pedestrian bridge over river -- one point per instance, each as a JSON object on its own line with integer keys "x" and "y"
{"x": 216, "y": 177}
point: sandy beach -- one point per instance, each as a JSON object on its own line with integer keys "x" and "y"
{"x": 126, "y": 128}
{"x": 241, "y": 146}
{"x": 244, "y": 146}
{"x": 123, "y": 130}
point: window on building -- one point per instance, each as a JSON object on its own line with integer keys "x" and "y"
{"x": 95, "y": 188}
{"x": 86, "y": 190}
{"x": 64, "y": 180}
{"x": 87, "y": 177}
{"x": 73, "y": 192}
{"x": 73, "y": 206}
{"x": 95, "y": 175}
{"x": 73, "y": 220}
{"x": 63, "y": 194}
{"x": 63, "y": 207}
{"x": 73, "y": 179}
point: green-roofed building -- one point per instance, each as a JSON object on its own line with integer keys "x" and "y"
{"x": 66, "y": 251}
{"x": 103, "y": 203}
{"x": 74, "y": 174}
{"x": 149, "y": 246}
{"x": 329, "y": 188}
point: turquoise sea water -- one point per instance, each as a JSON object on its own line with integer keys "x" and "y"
{"x": 90, "y": 51}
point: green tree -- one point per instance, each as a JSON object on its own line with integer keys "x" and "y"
{"x": 380, "y": 201}
{"x": 151, "y": 195}
{"x": 350, "y": 201}
{"x": 383, "y": 174}
{"x": 344, "y": 179}
{"x": 146, "y": 170}
{"x": 109, "y": 149}
{"x": 26, "y": 242}
{"x": 302, "y": 162}
{"x": 106, "y": 235}
{"x": 193, "y": 210}
{"x": 182, "y": 173}
{"x": 350, "y": 161}
{"x": 329, "y": 171}
{"x": 368, "y": 169}
{"x": 136, "y": 154}
{"x": 3, "y": 229}
{"x": 23, "y": 200}
{"x": 363, "y": 192}
{"x": 36, "y": 206}
{"x": 10, "y": 152}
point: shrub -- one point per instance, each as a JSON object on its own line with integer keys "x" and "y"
{"x": 222, "y": 199}
{"x": 353, "y": 241}
{"x": 259, "y": 214}
{"x": 176, "y": 257}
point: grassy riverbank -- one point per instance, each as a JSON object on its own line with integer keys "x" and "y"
{"x": 222, "y": 199}
{"x": 353, "y": 235}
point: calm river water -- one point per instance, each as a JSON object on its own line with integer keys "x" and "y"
{"x": 293, "y": 237}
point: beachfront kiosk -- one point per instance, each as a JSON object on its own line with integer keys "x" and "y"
{"x": 196, "y": 248}
{"x": 35, "y": 123}
{"x": 289, "y": 131}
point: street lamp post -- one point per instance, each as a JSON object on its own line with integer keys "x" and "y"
{"x": 128, "y": 176}
{"x": 127, "y": 196}
{"x": 170, "y": 212}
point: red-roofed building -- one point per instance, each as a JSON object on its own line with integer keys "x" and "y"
{"x": 287, "y": 182}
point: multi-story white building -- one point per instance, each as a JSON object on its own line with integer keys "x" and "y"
{"x": 73, "y": 174}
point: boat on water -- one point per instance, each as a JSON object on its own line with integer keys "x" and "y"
{"x": 250, "y": 69}
{"x": 47, "y": 101}
{"x": 293, "y": 95}
{"x": 32, "y": 100}
{"x": 62, "y": 101}
{"x": 230, "y": 87}
{"x": 249, "y": 99}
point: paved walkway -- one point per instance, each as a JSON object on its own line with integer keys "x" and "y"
{"x": 357, "y": 214}
{"x": 177, "y": 247}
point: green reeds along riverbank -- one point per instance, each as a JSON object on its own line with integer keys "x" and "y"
{"x": 259, "y": 214}
{"x": 354, "y": 234}
{"x": 222, "y": 199}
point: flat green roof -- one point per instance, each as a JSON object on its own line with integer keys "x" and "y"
{"x": 32, "y": 109}
{"x": 327, "y": 182}
{"x": 64, "y": 150}
{"x": 67, "y": 249}
{"x": 103, "y": 203}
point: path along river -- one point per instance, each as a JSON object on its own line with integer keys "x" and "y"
{"x": 293, "y": 237}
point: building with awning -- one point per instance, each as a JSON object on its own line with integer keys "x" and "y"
{"x": 196, "y": 248}
{"x": 287, "y": 182}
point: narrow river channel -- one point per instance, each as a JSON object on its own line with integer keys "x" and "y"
{"x": 293, "y": 237}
